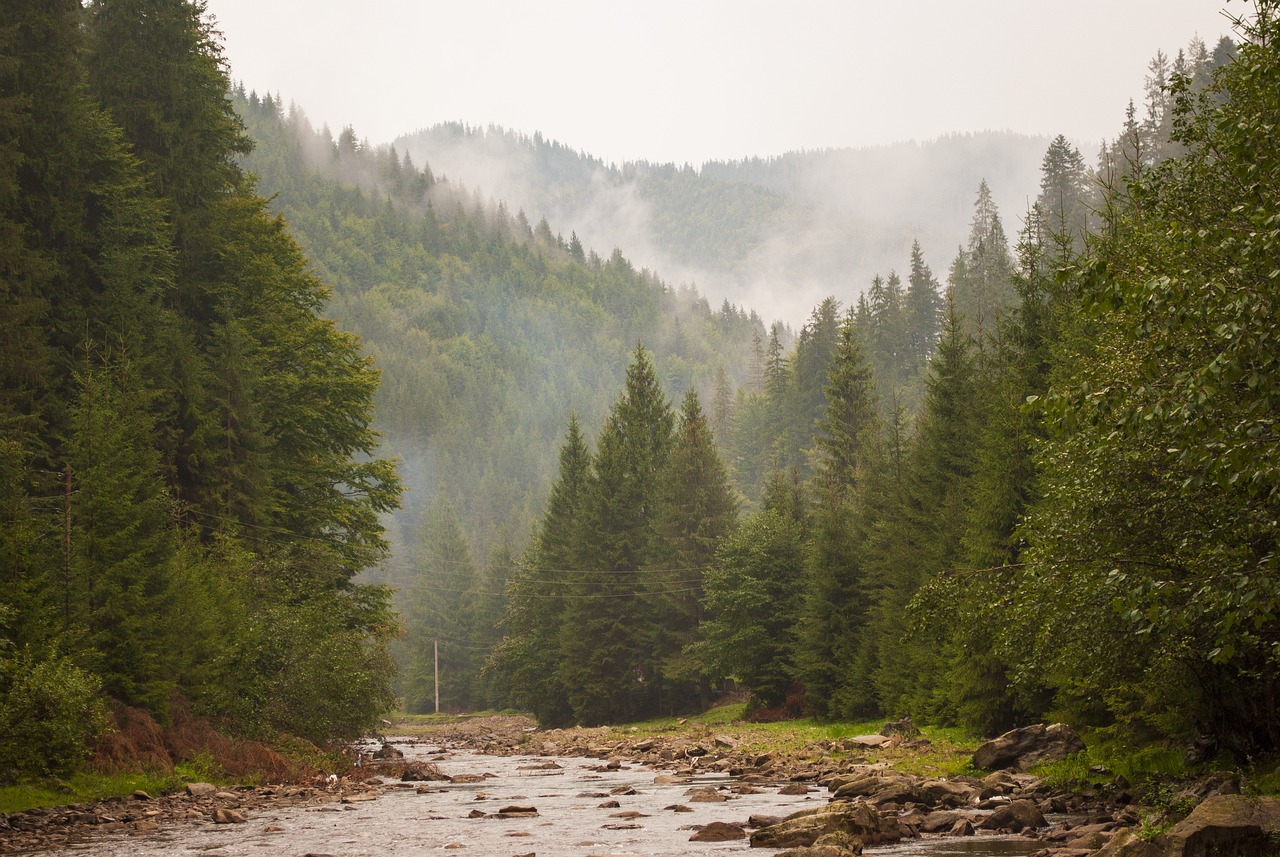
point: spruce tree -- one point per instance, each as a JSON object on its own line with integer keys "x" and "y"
{"x": 529, "y": 655}
{"x": 831, "y": 649}
{"x": 442, "y": 604}
{"x": 607, "y": 668}
{"x": 923, "y": 307}
{"x": 697, "y": 511}
{"x": 980, "y": 284}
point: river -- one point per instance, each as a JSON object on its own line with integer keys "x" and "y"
{"x": 574, "y": 817}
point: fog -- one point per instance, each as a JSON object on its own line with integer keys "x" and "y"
{"x": 776, "y": 235}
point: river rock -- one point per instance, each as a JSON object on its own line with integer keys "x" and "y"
{"x": 1225, "y": 824}
{"x": 936, "y": 822}
{"x": 705, "y": 794}
{"x": 818, "y": 851}
{"x": 386, "y": 751}
{"x": 828, "y": 845}
{"x": 422, "y": 774}
{"x": 864, "y": 785}
{"x": 718, "y": 831}
{"x": 1207, "y": 787}
{"x": 228, "y": 816}
{"x": 803, "y": 828}
{"x": 998, "y": 783}
{"x": 903, "y": 727}
{"x": 201, "y": 789}
{"x": 1017, "y": 815}
{"x": 1019, "y": 749}
{"x": 946, "y": 793}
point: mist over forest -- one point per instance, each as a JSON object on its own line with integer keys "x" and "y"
{"x": 773, "y": 233}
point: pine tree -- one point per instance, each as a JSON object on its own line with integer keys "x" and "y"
{"x": 120, "y": 588}
{"x": 697, "y": 511}
{"x": 607, "y": 669}
{"x": 829, "y": 655}
{"x": 529, "y": 655}
{"x": 923, "y": 308}
{"x": 1065, "y": 196}
{"x": 439, "y": 613}
{"x": 980, "y": 284}
{"x": 925, "y": 538}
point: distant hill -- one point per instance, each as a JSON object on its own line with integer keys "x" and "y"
{"x": 489, "y": 330}
{"x": 777, "y": 234}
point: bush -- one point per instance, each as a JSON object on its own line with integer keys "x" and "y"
{"x": 50, "y": 711}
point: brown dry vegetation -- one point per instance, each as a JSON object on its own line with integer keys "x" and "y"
{"x": 136, "y": 743}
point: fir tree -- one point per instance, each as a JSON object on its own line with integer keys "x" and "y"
{"x": 698, "y": 510}
{"x": 607, "y": 668}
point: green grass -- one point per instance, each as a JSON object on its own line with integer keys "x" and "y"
{"x": 85, "y": 788}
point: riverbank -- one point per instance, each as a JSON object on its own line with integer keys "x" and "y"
{"x": 915, "y": 785}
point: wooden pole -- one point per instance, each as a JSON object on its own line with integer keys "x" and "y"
{"x": 435, "y": 644}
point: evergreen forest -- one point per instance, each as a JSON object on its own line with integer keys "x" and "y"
{"x": 283, "y": 414}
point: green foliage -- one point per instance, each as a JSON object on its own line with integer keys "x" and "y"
{"x": 49, "y": 712}
{"x": 752, "y": 605}
{"x": 317, "y": 665}
{"x": 1160, "y": 473}
{"x": 188, "y": 468}
{"x": 441, "y": 614}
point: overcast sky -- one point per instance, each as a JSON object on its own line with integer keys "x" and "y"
{"x": 690, "y": 80}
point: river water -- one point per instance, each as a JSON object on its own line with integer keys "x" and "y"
{"x": 570, "y": 822}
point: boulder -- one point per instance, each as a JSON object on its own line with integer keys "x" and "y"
{"x": 804, "y": 828}
{"x": 1019, "y": 749}
{"x": 718, "y": 831}
{"x": 903, "y": 727}
{"x": 423, "y": 774}
{"x": 1016, "y": 815}
{"x": 946, "y": 793}
{"x": 828, "y": 845}
{"x": 201, "y": 789}
{"x": 228, "y": 816}
{"x": 386, "y": 752}
{"x": 1127, "y": 843}
{"x": 869, "y": 784}
{"x": 1225, "y": 824}
{"x": 936, "y": 822}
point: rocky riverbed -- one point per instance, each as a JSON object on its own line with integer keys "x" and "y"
{"x": 501, "y": 786}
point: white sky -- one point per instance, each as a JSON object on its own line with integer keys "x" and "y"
{"x": 690, "y": 80}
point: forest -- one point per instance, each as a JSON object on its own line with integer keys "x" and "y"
{"x": 1040, "y": 484}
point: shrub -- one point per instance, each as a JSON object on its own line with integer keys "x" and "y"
{"x": 50, "y": 711}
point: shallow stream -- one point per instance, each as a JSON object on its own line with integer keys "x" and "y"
{"x": 570, "y": 822}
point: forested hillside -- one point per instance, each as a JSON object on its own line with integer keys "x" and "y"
{"x": 776, "y": 234}
{"x": 490, "y": 332}
{"x": 189, "y": 477}
{"x": 1077, "y": 523}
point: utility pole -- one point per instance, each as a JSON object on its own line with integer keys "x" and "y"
{"x": 435, "y": 645}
